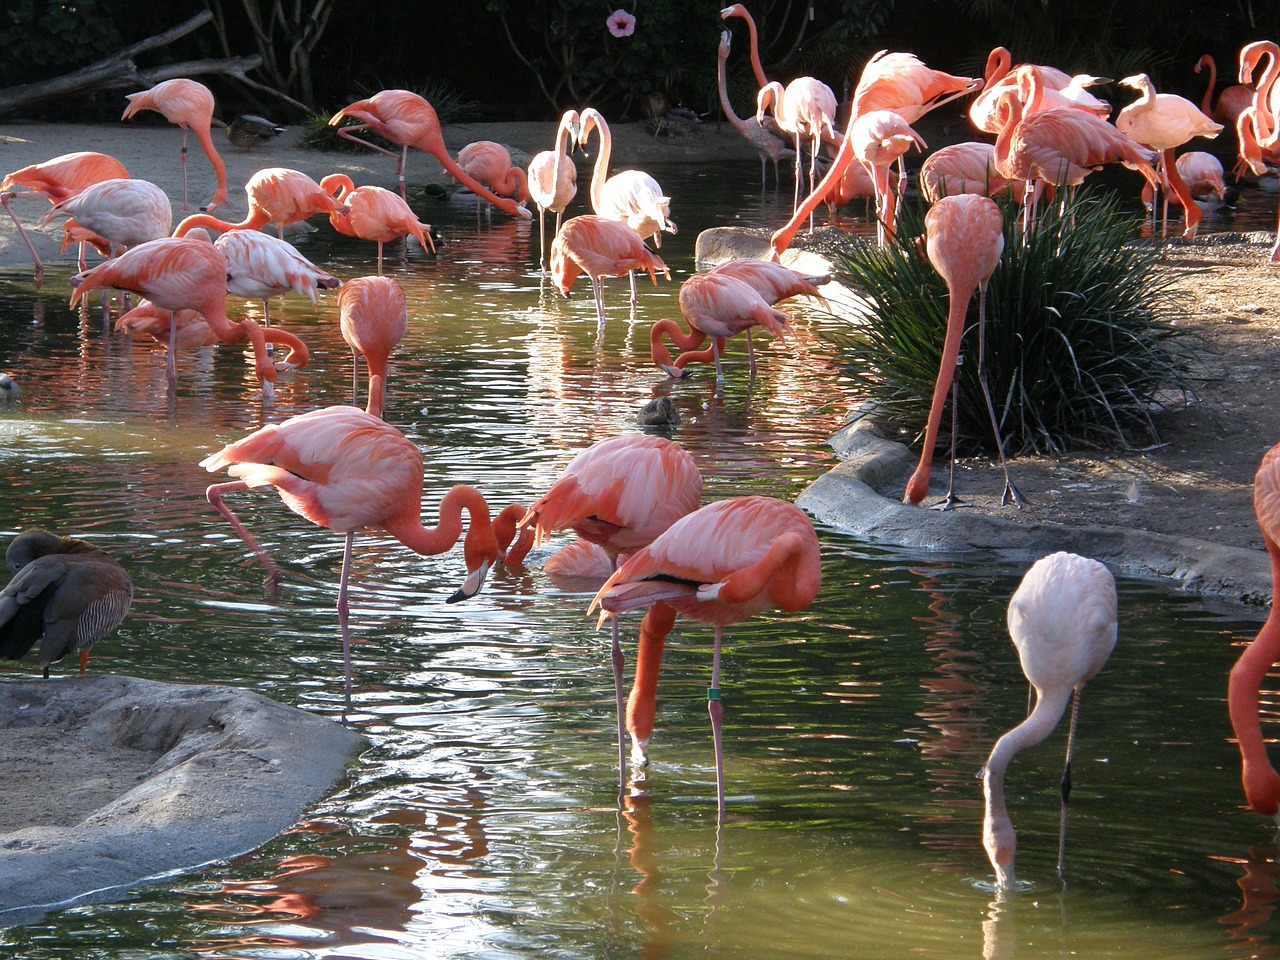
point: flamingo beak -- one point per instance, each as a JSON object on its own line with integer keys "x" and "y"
{"x": 472, "y": 585}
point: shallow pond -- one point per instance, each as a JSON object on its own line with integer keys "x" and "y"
{"x": 482, "y": 820}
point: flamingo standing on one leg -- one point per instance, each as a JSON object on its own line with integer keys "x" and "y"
{"x": 405, "y": 118}
{"x": 599, "y": 248}
{"x": 1163, "y": 122}
{"x": 964, "y": 240}
{"x": 346, "y": 469}
{"x": 553, "y": 180}
{"x": 275, "y": 195}
{"x": 190, "y": 105}
{"x": 719, "y": 565}
{"x": 66, "y": 593}
{"x": 1062, "y": 619}
{"x": 629, "y": 196}
{"x": 373, "y": 213}
{"x": 178, "y": 273}
{"x": 1261, "y": 782}
{"x": 374, "y": 317}
{"x": 56, "y": 180}
{"x": 619, "y": 495}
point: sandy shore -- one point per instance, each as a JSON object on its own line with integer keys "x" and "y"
{"x": 150, "y": 151}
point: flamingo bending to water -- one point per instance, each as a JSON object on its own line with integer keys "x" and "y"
{"x": 373, "y": 213}
{"x": 599, "y": 248}
{"x": 1062, "y": 619}
{"x": 374, "y": 317}
{"x": 189, "y": 104}
{"x": 275, "y": 195}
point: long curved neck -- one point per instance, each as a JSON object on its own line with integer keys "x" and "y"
{"x": 432, "y": 540}
{"x": 1262, "y": 96}
{"x": 642, "y": 701}
{"x": 684, "y": 341}
{"x": 1206, "y": 105}
{"x": 756, "y": 67}
{"x": 1000, "y": 157}
{"x": 1261, "y": 782}
{"x": 722, "y": 87}
{"x": 255, "y": 219}
{"x": 600, "y": 173}
{"x": 219, "y": 168}
{"x": 998, "y": 63}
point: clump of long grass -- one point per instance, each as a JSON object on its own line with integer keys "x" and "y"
{"x": 1075, "y": 352}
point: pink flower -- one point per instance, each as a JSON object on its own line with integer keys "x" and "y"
{"x": 621, "y": 23}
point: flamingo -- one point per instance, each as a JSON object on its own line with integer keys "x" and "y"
{"x": 1261, "y": 782}
{"x": 490, "y": 163}
{"x": 1060, "y": 147}
{"x": 260, "y": 266}
{"x": 373, "y": 213}
{"x": 767, "y": 144}
{"x": 57, "y": 179}
{"x": 66, "y": 593}
{"x": 881, "y": 138}
{"x": 806, "y": 109}
{"x": 599, "y": 248}
{"x": 275, "y": 195}
{"x": 1162, "y": 122}
{"x": 1057, "y": 90}
{"x": 1203, "y": 175}
{"x": 715, "y": 305}
{"x": 630, "y": 196}
{"x": 967, "y": 167}
{"x": 738, "y": 10}
{"x": 178, "y": 273}
{"x": 1230, "y": 101}
{"x": 190, "y": 105}
{"x": 178, "y": 330}
{"x": 405, "y": 118}
{"x": 619, "y": 495}
{"x": 1062, "y": 619}
{"x": 964, "y": 238}
{"x": 553, "y": 179}
{"x": 374, "y": 317}
{"x": 1265, "y": 101}
{"x": 123, "y": 212}
{"x": 719, "y": 565}
{"x": 343, "y": 468}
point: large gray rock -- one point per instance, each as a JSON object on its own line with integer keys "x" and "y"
{"x": 120, "y": 780}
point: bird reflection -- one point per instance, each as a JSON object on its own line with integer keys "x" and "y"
{"x": 1250, "y": 926}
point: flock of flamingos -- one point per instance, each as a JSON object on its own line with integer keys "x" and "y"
{"x": 633, "y": 501}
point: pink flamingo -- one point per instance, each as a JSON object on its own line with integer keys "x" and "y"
{"x": 600, "y": 247}
{"x": 719, "y": 565}
{"x": 806, "y": 109}
{"x": 1203, "y": 174}
{"x": 373, "y": 213}
{"x": 190, "y": 105}
{"x": 178, "y": 273}
{"x": 738, "y": 10}
{"x": 275, "y": 195}
{"x": 405, "y": 118}
{"x": 1230, "y": 101}
{"x": 1261, "y": 782}
{"x": 619, "y": 495}
{"x": 1062, "y": 619}
{"x": 630, "y": 196}
{"x": 374, "y": 317}
{"x": 767, "y": 144}
{"x": 176, "y": 329}
{"x": 1058, "y": 90}
{"x": 56, "y": 180}
{"x": 345, "y": 469}
{"x": 964, "y": 238}
{"x": 879, "y": 139}
{"x": 967, "y": 167}
{"x": 553, "y": 179}
{"x": 490, "y": 163}
{"x": 1163, "y": 122}
{"x": 123, "y": 212}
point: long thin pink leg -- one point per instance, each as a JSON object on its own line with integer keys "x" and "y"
{"x": 715, "y": 710}
{"x": 171, "y": 360}
{"x": 344, "y": 613}
{"x": 185, "y": 207}
{"x": 214, "y": 495}
{"x": 616, "y": 656}
{"x": 35, "y": 257}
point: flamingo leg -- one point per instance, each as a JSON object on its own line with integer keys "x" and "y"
{"x": 1011, "y": 493}
{"x": 1066, "y": 784}
{"x": 185, "y": 206}
{"x": 598, "y": 292}
{"x": 344, "y": 612}
{"x": 355, "y": 378}
{"x": 751, "y": 358}
{"x": 715, "y": 710}
{"x": 35, "y": 257}
{"x": 617, "y": 659}
{"x": 214, "y": 495}
{"x": 171, "y": 360}
{"x": 950, "y": 501}
{"x": 716, "y": 345}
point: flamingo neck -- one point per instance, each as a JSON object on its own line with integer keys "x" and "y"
{"x": 684, "y": 341}
{"x": 642, "y": 701}
{"x": 255, "y": 219}
{"x": 480, "y": 543}
{"x": 506, "y": 529}
{"x": 999, "y": 61}
{"x": 1261, "y": 782}
{"x": 722, "y": 87}
{"x": 600, "y": 172}
{"x": 219, "y": 168}
{"x": 754, "y": 51}
{"x": 1206, "y": 105}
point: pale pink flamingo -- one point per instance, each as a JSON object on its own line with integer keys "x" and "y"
{"x": 123, "y": 212}
{"x": 629, "y": 196}
{"x": 718, "y": 306}
{"x": 719, "y": 565}
{"x": 275, "y": 195}
{"x": 619, "y": 495}
{"x": 1163, "y": 122}
{"x": 553, "y": 180}
{"x": 190, "y": 105}
{"x": 600, "y": 247}
{"x": 374, "y": 317}
{"x": 1057, "y": 90}
{"x": 489, "y": 162}
{"x": 964, "y": 238}
{"x": 967, "y": 167}
{"x": 1062, "y": 619}
{"x": 179, "y": 273}
{"x": 805, "y": 109}
{"x": 56, "y": 180}
{"x": 767, "y": 144}
{"x": 1261, "y": 782}
{"x": 1226, "y": 108}
{"x": 405, "y": 118}
{"x": 373, "y": 213}
{"x": 260, "y": 266}
{"x": 347, "y": 470}
{"x": 65, "y": 593}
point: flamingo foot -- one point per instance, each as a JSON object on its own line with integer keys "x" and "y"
{"x": 1012, "y": 495}
{"x": 949, "y": 502}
